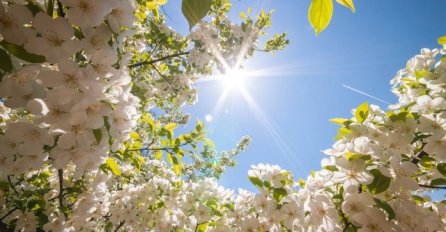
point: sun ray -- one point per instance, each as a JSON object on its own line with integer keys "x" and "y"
{"x": 270, "y": 128}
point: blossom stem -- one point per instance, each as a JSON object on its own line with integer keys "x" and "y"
{"x": 8, "y": 213}
{"x": 60, "y": 173}
{"x": 157, "y": 148}
{"x": 60, "y": 11}
{"x": 148, "y": 62}
{"x": 432, "y": 187}
{"x": 13, "y": 187}
{"x": 164, "y": 77}
{"x": 120, "y": 225}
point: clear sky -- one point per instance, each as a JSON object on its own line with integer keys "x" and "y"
{"x": 303, "y": 87}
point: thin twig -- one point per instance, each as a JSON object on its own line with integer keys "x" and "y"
{"x": 196, "y": 227}
{"x": 432, "y": 187}
{"x": 157, "y": 148}
{"x": 147, "y": 62}
{"x": 60, "y": 173}
{"x": 8, "y": 213}
{"x": 60, "y": 11}
{"x": 120, "y": 225}
{"x": 13, "y": 187}
{"x": 164, "y": 77}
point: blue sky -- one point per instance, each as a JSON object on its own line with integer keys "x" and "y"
{"x": 303, "y": 88}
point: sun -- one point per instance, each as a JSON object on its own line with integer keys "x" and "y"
{"x": 234, "y": 78}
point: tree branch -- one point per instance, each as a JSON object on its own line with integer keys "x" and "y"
{"x": 8, "y": 213}
{"x": 147, "y": 62}
{"x": 420, "y": 155}
{"x": 432, "y": 187}
{"x": 120, "y": 225}
{"x": 164, "y": 77}
{"x": 157, "y": 148}
{"x": 13, "y": 187}
{"x": 60, "y": 11}
{"x": 60, "y": 174}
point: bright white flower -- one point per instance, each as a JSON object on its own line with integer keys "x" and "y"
{"x": 435, "y": 125}
{"x": 37, "y": 107}
{"x": 352, "y": 173}
{"x": 373, "y": 220}
{"x": 69, "y": 75}
{"x": 20, "y": 87}
{"x": 76, "y": 135}
{"x": 121, "y": 15}
{"x": 96, "y": 38}
{"x": 402, "y": 173}
{"x": 90, "y": 112}
{"x": 29, "y": 137}
{"x": 425, "y": 104}
{"x": 323, "y": 214}
{"x": 356, "y": 202}
{"x": 12, "y": 21}
{"x": 87, "y": 13}
{"x": 56, "y": 41}
{"x": 202, "y": 214}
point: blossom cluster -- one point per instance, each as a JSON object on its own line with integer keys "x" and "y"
{"x": 75, "y": 106}
{"x": 76, "y": 90}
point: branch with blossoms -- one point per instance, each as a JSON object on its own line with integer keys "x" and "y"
{"x": 147, "y": 62}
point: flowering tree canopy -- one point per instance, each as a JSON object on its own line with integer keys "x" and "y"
{"x": 82, "y": 149}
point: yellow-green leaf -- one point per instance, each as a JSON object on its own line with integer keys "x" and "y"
{"x": 134, "y": 135}
{"x": 154, "y": 4}
{"x": 113, "y": 166}
{"x": 170, "y": 126}
{"x": 442, "y": 40}
{"x": 195, "y": 10}
{"x": 339, "y": 121}
{"x": 203, "y": 227}
{"x": 158, "y": 155}
{"x": 348, "y": 4}
{"x": 319, "y": 14}
{"x": 362, "y": 112}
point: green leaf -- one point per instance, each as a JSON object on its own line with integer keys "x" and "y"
{"x": 348, "y": 4}
{"x": 319, "y": 14}
{"x": 427, "y": 162}
{"x": 442, "y": 40}
{"x": 113, "y": 166}
{"x": 362, "y": 112}
{"x": 331, "y": 168}
{"x": 173, "y": 160}
{"x": 5, "y": 61}
{"x": 229, "y": 206}
{"x": 50, "y": 8}
{"x": 21, "y": 53}
{"x": 355, "y": 156}
{"x": 386, "y": 207}
{"x": 34, "y": 8}
{"x": 97, "y": 135}
{"x": 195, "y": 10}
{"x": 380, "y": 182}
{"x": 279, "y": 194}
{"x": 438, "y": 182}
{"x": 441, "y": 168}
{"x": 256, "y": 181}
